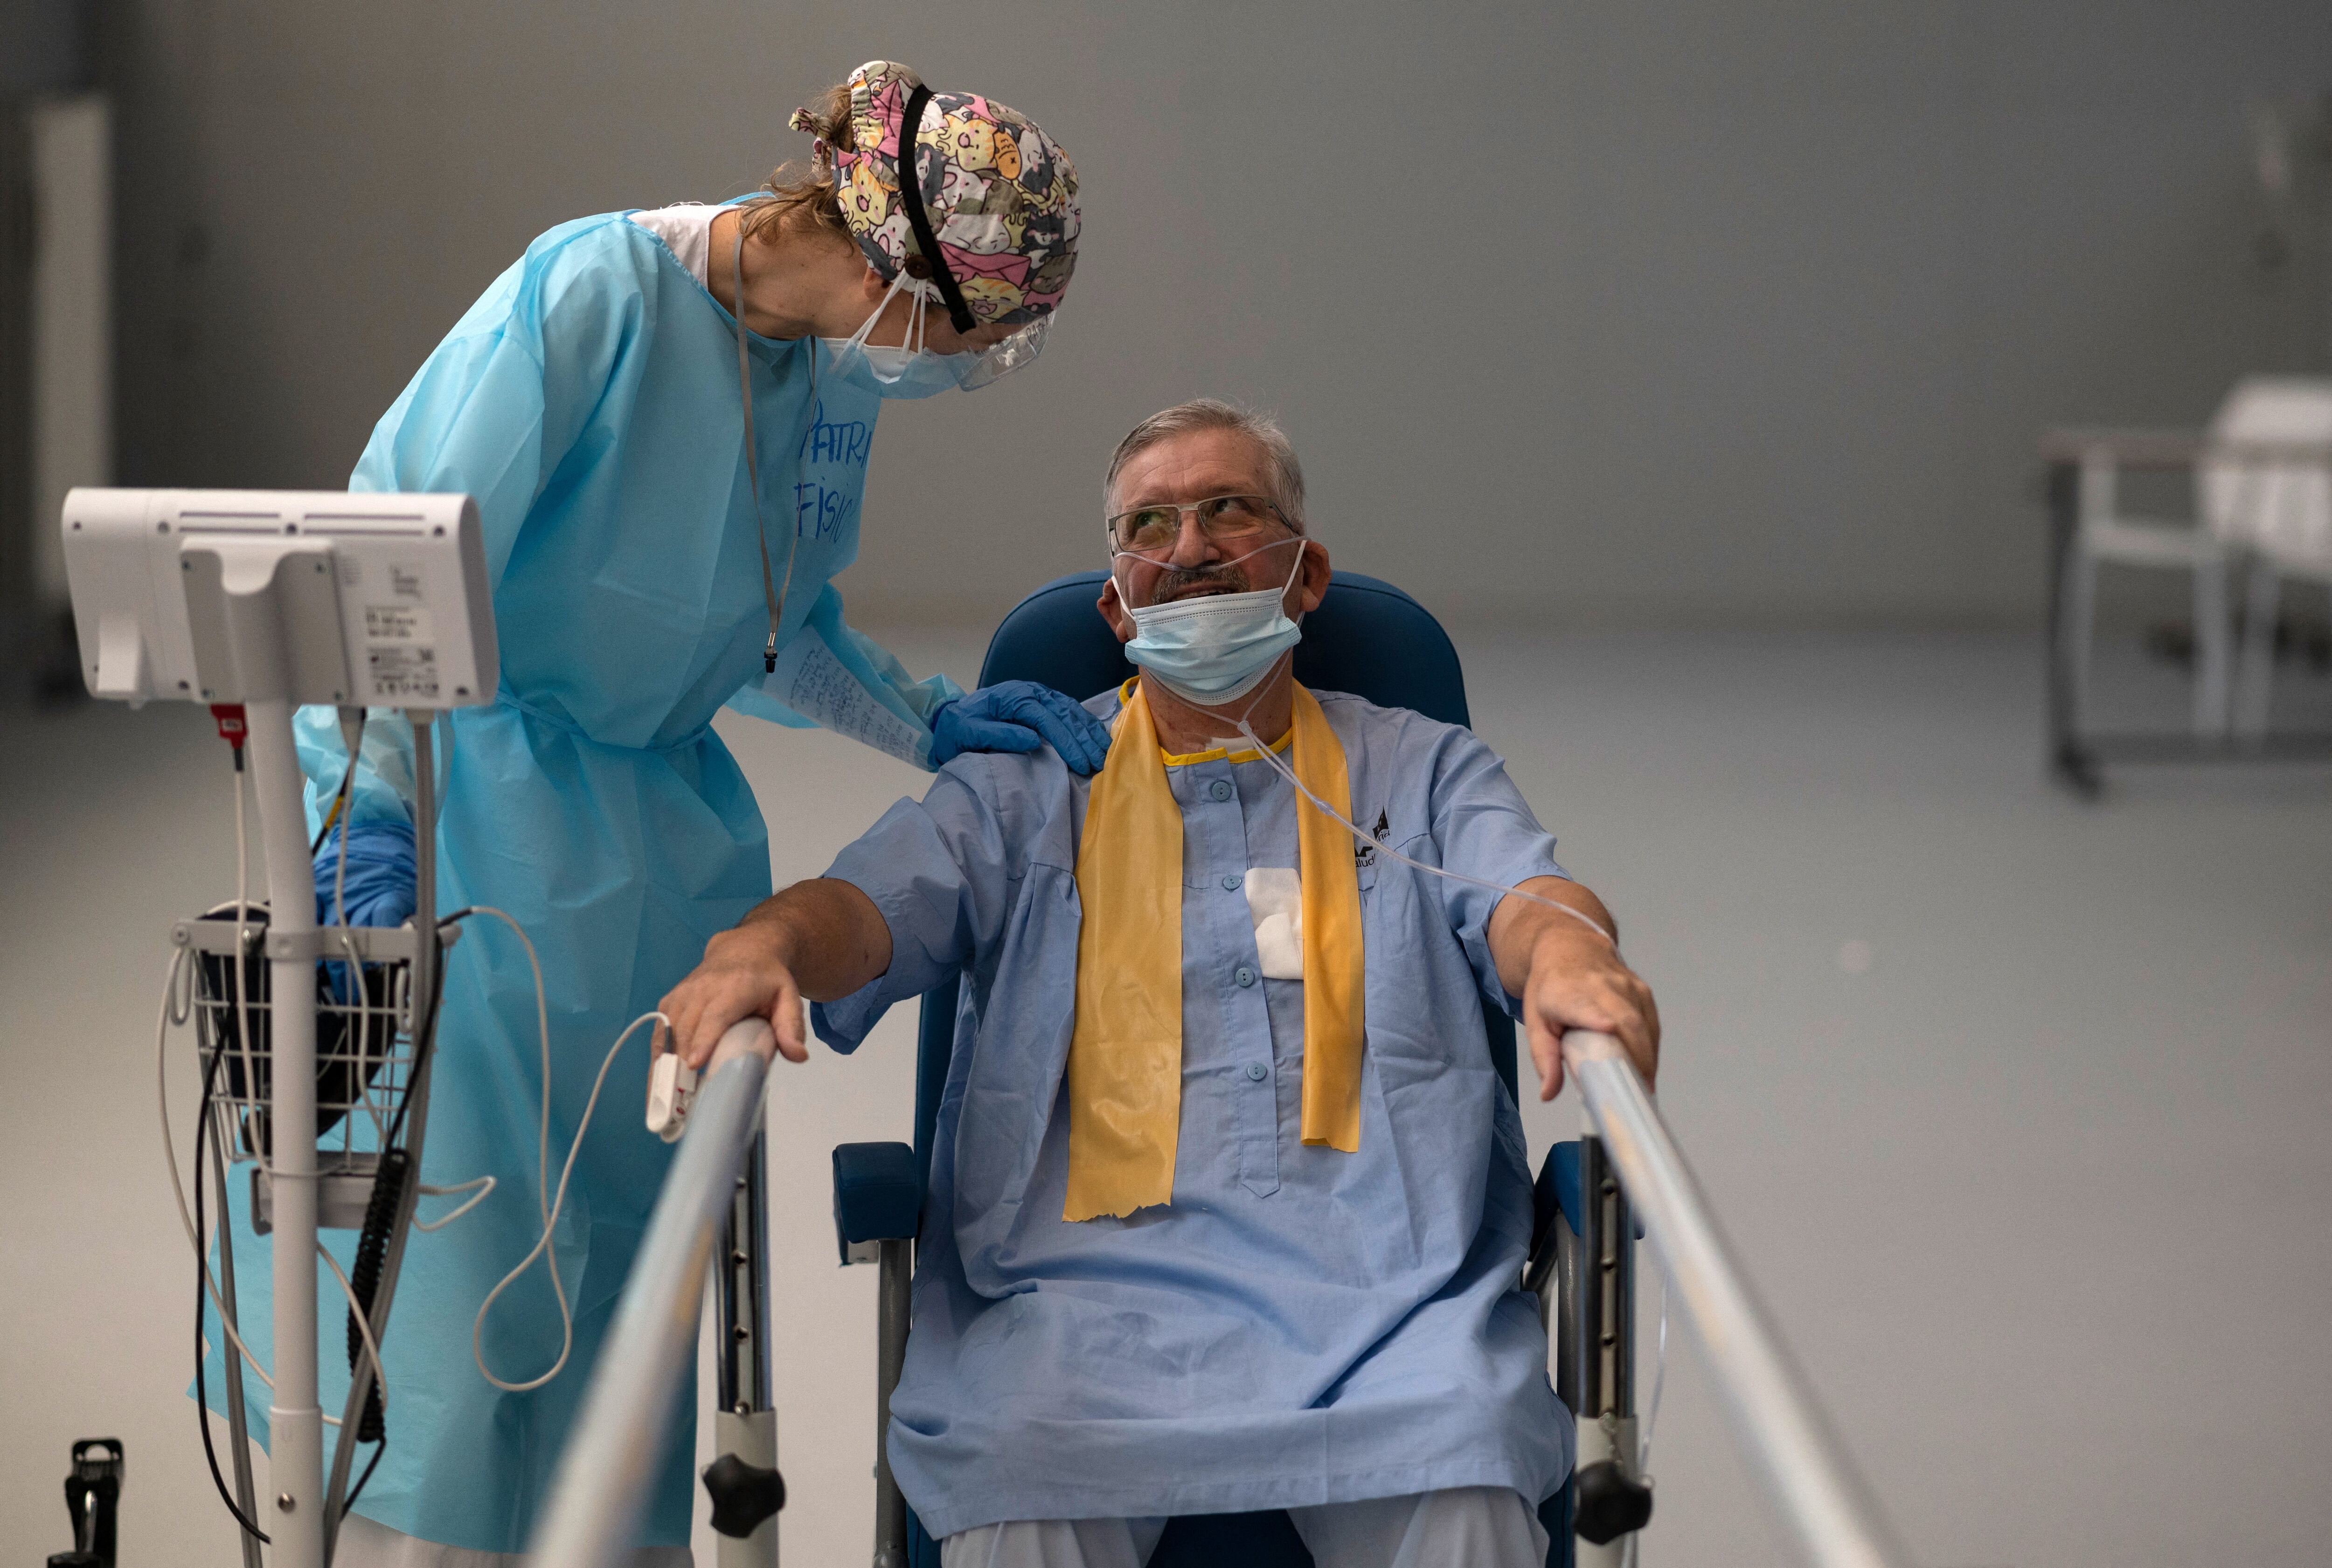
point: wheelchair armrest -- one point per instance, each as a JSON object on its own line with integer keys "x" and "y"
{"x": 877, "y": 1197}
{"x": 1556, "y": 1192}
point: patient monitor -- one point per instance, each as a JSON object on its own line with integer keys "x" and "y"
{"x": 377, "y": 600}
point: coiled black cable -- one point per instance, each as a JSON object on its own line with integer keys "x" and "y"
{"x": 380, "y": 1216}
{"x": 364, "y": 1280}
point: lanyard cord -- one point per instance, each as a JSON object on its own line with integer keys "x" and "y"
{"x": 770, "y": 592}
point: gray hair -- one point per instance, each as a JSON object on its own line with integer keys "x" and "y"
{"x": 1214, "y": 414}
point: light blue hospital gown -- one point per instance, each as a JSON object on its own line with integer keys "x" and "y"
{"x": 1302, "y": 1325}
{"x": 590, "y": 402}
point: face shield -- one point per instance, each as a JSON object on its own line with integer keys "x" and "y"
{"x": 998, "y": 360}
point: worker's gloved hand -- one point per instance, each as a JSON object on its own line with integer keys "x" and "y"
{"x": 1019, "y": 716}
{"x": 380, "y": 887}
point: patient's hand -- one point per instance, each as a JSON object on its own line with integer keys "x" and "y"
{"x": 1569, "y": 977}
{"x": 821, "y": 938}
{"x": 744, "y": 973}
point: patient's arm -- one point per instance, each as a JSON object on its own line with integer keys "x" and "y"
{"x": 822, "y": 939}
{"x": 1568, "y": 977}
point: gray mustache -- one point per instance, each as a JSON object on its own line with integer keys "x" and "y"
{"x": 1177, "y": 579}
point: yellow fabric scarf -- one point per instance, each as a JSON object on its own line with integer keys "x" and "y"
{"x": 1125, "y": 1055}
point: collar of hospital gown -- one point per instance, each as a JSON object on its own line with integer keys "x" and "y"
{"x": 1301, "y": 1325}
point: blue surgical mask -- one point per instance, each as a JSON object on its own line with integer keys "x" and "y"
{"x": 1216, "y": 648}
{"x": 909, "y": 370}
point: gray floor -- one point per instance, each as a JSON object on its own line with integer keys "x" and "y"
{"x": 2016, "y": 1104}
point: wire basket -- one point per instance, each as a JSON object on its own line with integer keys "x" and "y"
{"x": 364, "y": 1034}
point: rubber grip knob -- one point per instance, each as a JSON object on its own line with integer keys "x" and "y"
{"x": 1610, "y": 1503}
{"x": 742, "y": 1494}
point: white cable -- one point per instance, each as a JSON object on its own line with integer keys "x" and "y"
{"x": 363, "y": 1321}
{"x": 1660, "y": 1379}
{"x": 177, "y": 1009}
{"x": 1266, "y": 753}
{"x": 551, "y": 1215}
{"x": 170, "y": 1015}
{"x": 542, "y": 1032}
{"x": 483, "y": 1186}
{"x": 1634, "y": 1551}
{"x": 177, "y": 1188}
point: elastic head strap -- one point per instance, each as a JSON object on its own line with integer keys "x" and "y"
{"x": 911, "y": 194}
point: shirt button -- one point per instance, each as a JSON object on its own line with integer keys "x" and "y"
{"x": 1221, "y": 788}
{"x": 1233, "y": 881}
{"x": 1257, "y": 1072}
{"x": 1244, "y": 975}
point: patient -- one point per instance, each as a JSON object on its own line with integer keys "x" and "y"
{"x": 1228, "y": 1207}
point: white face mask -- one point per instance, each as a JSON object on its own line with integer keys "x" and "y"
{"x": 1216, "y": 648}
{"x": 907, "y": 370}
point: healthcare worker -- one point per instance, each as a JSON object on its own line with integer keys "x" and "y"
{"x": 666, "y": 418}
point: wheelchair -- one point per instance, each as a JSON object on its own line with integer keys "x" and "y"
{"x": 1371, "y": 640}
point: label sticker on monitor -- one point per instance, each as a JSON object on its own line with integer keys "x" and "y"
{"x": 402, "y": 671}
{"x": 398, "y": 624}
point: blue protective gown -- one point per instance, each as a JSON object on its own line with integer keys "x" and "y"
{"x": 590, "y": 402}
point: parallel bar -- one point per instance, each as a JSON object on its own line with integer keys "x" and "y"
{"x": 611, "y": 1457}
{"x": 1804, "y": 1470}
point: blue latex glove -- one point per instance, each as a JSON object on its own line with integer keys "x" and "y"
{"x": 379, "y": 888}
{"x": 1019, "y": 716}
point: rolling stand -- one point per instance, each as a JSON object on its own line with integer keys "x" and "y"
{"x": 93, "y": 1497}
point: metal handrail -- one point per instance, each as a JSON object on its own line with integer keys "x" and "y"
{"x": 603, "y": 1479}
{"x": 1802, "y": 1466}
{"x": 602, "y": 1484}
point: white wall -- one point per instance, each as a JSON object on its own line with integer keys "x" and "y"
{"x": 1686, "y": 311}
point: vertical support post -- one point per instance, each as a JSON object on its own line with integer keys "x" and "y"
{"x": 2068, "y": 762}
{"x": 893, "y": 1296}
{"x": 2213, "y": 662}
{"x": 2255, "y": 684}
{"x": 428, "y": 965}
{"x": 1598, "y": 1377}
{"x": 294, "y": 1510}
{"x": 746, "y": 1424}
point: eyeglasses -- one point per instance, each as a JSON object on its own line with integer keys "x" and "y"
{"x": 1223, "y": 519}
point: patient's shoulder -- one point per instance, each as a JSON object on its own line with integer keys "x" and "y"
{"x": 1002, "y": 778}
{"x": 1025, "y": 799}
{"x": 1388, "y": 729}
